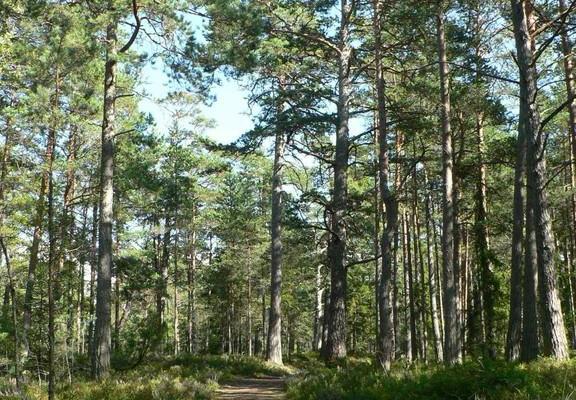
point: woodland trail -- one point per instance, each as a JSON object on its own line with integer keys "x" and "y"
{"x": 267, "y": 388}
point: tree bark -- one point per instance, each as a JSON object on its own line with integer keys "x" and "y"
{"x": 162, "y": 260}
{"x": 274, "y": 348}
{"x": 452, "y": 347}
{"x": 515, "y": 329}
{"x": 38, "y": 227}
{"x": 555, "y": 342}
{"x": 102, "y": 332}
{"x": 410, "y": 285}
{"x": 66, "y": 225}
{"x": 319, "y": 310}
{"x": 51, "y": 283}
{"x": 570, "y": 93}
{"x": 488, "y": 280}
{"x": 249, "y": 306}
{"x": 176, "y": 276}
{"x": 432, "y": 279}
{"x": 406, "y": 266}
{"x": 175, "y": 316}
{"x": 191, "y": 288}
{"x": 11, "y": 288}
{"x": 419, "y": 263}
{"x": 386, "y": 343}
{"x": 336, "y": 342}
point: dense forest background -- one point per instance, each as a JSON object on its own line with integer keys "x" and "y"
{"x": 407, "y": 195}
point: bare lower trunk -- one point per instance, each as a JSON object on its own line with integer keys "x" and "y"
{"x": 102, "y": 332}
{"x": 488, "y": 280}
{"x": 274, "y": 349}
{"x": 529, "y": 344}
{"x": 175, "y": 316}
{"x": 93, "y": 271}
{"x": 249, "y": 316}
{"x": 514, "y": 334}
{"x": 191, "y": 288}
{"x": 553, "y": 332}
{"x": 569, "y": 294}
{"x": 51, "y": 285}
{"x": 571, "y": 93}
{"x": 407, "y": 309}
{"x": 410, "y": 287}
{"x": 422, "y": 306}
{"x": 162, "y": 281}
{"x": 319, "y": 309}
{"x": 432, "y": 279}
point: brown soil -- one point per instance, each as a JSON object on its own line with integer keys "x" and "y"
{"x": 267, "y": 388}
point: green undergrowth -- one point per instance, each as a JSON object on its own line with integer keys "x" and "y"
{"x": 181, "y": 378}
{"x": 474, "y": 380}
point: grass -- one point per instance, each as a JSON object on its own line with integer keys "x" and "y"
{"x": 475, "y": 380}
{"x": 181, "y": 378}
{"x": 198, "y": 377}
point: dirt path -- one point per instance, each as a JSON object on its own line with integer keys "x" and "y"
{"x": 268, "y": 388}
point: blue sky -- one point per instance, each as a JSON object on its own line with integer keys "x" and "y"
{"x": 229, "y": 112}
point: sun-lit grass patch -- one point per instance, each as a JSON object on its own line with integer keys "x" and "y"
{"x": 181, "y": 378}
{"x": 481, "y": 380}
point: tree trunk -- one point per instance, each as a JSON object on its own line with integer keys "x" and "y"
{"x": 162, "y": 281}
{"x": 116, "y": 334}
{"x": 515, "y": 329}
{"x": 482, "y": 245}
{"x": 432, "y": 279}
{"x": 14, "y": 317}
{"x": 51, "y": 283}
{"x": 570, "y": 93}
{"x": 175, "y": 316}
{"x": 422, "y": 307}
{"x": 336, "y": 342}
{"x": 274, "y": 348}
{"x": 6, "y": 151}
{"x": 80, "y": 289}
{"x": 452, "y": 353}
{"x": 569, "y": 294}
{"x": 386, "y": 343}
{"x": 249, "y": 316}
{"x": 407, "y": 296}
{"x": 38, "y": 227}
{"x": 319, "y": 309}
{"x": 65, "y": 231}
{"x": 553, "y": 332}
{"x": 378, "y": 208}
{"x": 93, "y": 271}
{"x": 102, "y": 332}
{"x": 529, "y": 344}
{"x": 463, "y": 271}
{"x": 410, "y": 267}
{"x": 191, "y": 282}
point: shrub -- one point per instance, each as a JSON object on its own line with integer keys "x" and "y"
{"x": 482, "y": 380}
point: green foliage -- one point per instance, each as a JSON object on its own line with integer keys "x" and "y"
{"x": 497, "y": 380}
{"x": 185, "y": 377}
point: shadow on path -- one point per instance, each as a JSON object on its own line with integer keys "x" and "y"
{"x": 267, "y": 388}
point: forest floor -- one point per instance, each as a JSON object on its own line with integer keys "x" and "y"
{"x": 243, "y": 378}
{"x": 263, "y": 388}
